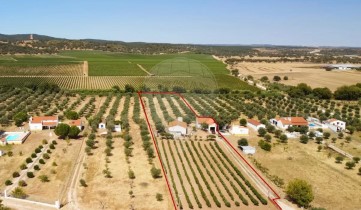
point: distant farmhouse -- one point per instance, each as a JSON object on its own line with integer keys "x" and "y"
{"x": 341, "y": 67}
{"x": 40, "y": 123}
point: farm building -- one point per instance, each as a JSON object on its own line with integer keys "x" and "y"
{"x": 239, "y": 130}
{"x": 255, "y": 124}
{"x": 40, "y": 123}
{"x": 102, "y": 125}
{"x": 335, "y": 125}
{"x": 117, "y": 128}
{"x": 286, "y": 122}
{"x": 178, "y": 127}
{"x": 211, "y": 125}
{"x": 13, "y": 137}
{"x": 341, "y": 67}
{"x": 248, "y": 150}
{"x": 77, "y": 123}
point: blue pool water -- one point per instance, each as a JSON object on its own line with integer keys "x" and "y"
{"x": 311, "y": 125}
{"x": 12, "y": 137}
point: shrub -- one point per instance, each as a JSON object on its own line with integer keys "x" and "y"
{"x": 159, "y": 197}
{"x": 23, "y": 166}
{"x": 339, "y": 159}
{"x": 51, "y": 146}
{"x": 16, "y": 174}
{"x": 283, "y": 138}
{"x": 30, "y": 174}
{"x": 131, "y": 174}
{"x": 242, "y": 142}
{"x": 300, "y": 192}
{"x": 41, "y": 161}
{"x": 54, "y": 164}
{"x": 304, "y": 139}
{"x": 22, "y": 183}
{"x": 83, "y": 183}
{"x": 8, "y": 182}
{"x": 45, "y": 141}
{"x": 44, "y": 178}
{"x": 156, "y": 173}
{"x": 37, "y": 150}
{"x": 33, "y": 155}
{"x": 359, "y": 171}
{"x": 356, "y": 159}
{"x": 237, "y": 203}
{"x": 54, "y": 142}
{"x": 18, "y": 192}
{"x": 46, "y": 156}
{"x": 10, "y": 154}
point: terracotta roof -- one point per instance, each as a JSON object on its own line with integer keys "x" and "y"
{"x": 331, "y": 120}
{"x": 50, "y": 123}
{"x": 44, "y": 118}
{"x": 253, "y": 122}
{"x": 293, "y": 121}
{"x": 75, "y": 122}
{"x": 205, "y": 120}
{"x": 176, "y": 122}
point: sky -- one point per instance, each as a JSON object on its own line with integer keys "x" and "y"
{"x": 278, "y": 22}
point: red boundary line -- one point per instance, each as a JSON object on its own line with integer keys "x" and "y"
{"x": 234, "y": 149}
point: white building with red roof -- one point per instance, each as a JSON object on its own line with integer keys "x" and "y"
{"x": 212, "y": 126}
{"x": 78, "y": 123}
{"x": 255, "y": 124}
{"x": 335, "y": 125}
{"x": 45, "y": 122}
{"x": 286, "y": 122}
{"x": 178, "y": 127}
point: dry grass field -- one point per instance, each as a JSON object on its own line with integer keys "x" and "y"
{"x": 334, "y": 186}
{"x": 312, "y": 74}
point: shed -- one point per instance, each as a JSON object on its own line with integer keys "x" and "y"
{"x": 248, "y": 150}
{"x": 239, "y": 130}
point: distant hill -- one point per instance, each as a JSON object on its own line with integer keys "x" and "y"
{"x": 20, "y": 37}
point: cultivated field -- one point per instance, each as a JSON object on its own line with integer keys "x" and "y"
{"x": 312, "y": 74}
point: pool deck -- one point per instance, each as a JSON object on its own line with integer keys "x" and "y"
{"x": 21, "y": 137}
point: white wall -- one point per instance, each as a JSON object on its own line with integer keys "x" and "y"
{"x": 178, "y": 129}
{"x": 35, "y": 126}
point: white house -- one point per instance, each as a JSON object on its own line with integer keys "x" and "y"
{"x": 2, "y": 153}
{"x": 102, "y": 125}
{"x": 286, "y": 122}
{"x": 117, "y": 128}
{"x": 212, "y": 126}
{"x": 335, "y": 125}
{"x": 255, "y": 124}
{"x": 45, "y": 122}
{"x": 178, "y": 127}
{"x": 248, "y": 150}
{"x": 77, "y": 123}
{"x": 239, "y": 130}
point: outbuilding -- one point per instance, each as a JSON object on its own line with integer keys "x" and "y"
{"x": 248, "y": 150}
{"x": 102, "y": 125}
{"x": 211, "y": 125}
{"x": 335, "y": 125}
{"x": 239, "y": 130}
{"x": 178, "y": 128}
{"x": 255, "y": 124}
{"x": 45, "y": 122}
{"x": 78, "y": 123}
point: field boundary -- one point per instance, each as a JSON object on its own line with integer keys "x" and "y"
{"x": 273, "y": 200}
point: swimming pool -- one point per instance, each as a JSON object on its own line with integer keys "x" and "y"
{"x": 311, "y": 125}
{"x": 12, "y": 137}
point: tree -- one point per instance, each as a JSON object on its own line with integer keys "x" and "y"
{"x": 339, "y": 159}
{"x": 283, "y": 138}
{"x": 350, "y": 164}
{"x": 264, "y": 79}
{"x": 19, "y": 118}
{"x": 340, "y": 135}
{"x": 304, "y": 139}
{"x": 300, "y": 192}
{"x": 322, "y": 93}
{"x": 131, "y": 174}
{"x": 319, "y": 148}
{"x": 348, "y": 139}
{"x": 156, "y": 173}
{"x": 44, "y": 178}
{"x": 204, "y": 126}
{"x": 128, "y": 88}
{"x": 319, "y": 140}
{"x": 242, "y": 142}
{"x": 359, "y": 171}
{"x": 2, "y": 207}
{"x": 356, "y": 159}
{"x": 326, "y": 135}
{"x": 285, "y": 78}
{"x": 243, "y": 122}
{"x": 264, "y": 145}
{"x": 83, "y": 183}
{"x": 72, "y": 115}
{"x": 350, "y": 129}
{"x": 159, "y": 197}
{"x": 276, "y": 78}
{"x": 73, "y": 132}
{"x": 267, "y": 137}
{"x": 278, "y": 133}
{"x": 62, "y": 130}
{"x": 262, "y": 132}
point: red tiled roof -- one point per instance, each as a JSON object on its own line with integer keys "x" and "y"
{"x": 205, "y": 120}
{"x": 253, "y": 122}
{"x": 75, "y": 122}
{"x": 293, "y": 121}
{"x": 50, "y": 123}
{"x": 44, "y": 118}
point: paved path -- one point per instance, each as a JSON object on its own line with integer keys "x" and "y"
{"x": 336, "y": 149}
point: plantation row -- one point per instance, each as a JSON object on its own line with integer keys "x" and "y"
{"x": 70, "y": 69}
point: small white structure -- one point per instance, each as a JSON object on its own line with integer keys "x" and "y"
{"x": 248, "y": 150}
{"x": 341, "y": 66}
{"x": 2, "y": 153}
{"x": 255, "y": 124}
{"x": 178, "y": 128}
{"x": 335, "y": 125}
{"x": 102, "y": 125}
{"x": 212, "y": 126}
{"x": 78, "y": 123}
{"x": 286, "y": 122}
{"x": 293, "y": 135}
{"x": 45, "y": 122}
{"x": 117, "y": 128}
{"x": 318, "y": 134}
{"x": 239, "y": 130}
